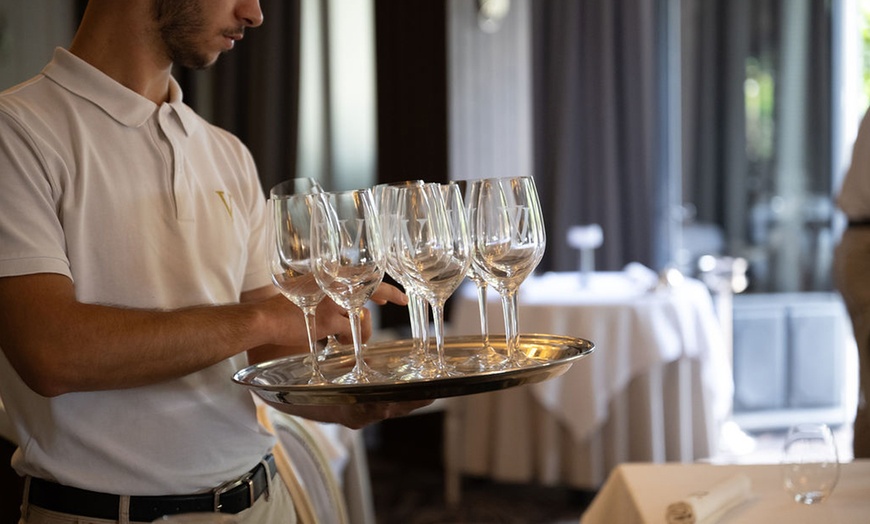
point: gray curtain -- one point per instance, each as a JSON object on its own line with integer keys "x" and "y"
{"x": 253, "y": 91}
{"x": 766, "y": 180}
{"x": 597, "y": 128}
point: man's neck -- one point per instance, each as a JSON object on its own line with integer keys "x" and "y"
{"x": 111, "y": 38}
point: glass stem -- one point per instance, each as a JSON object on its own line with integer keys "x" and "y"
{"x": 509, "y": 306}
{"x": 438, "y": 315}
{"x": 481, "y": 304}
{"x": 423, "y": 319}
{"x": 360, "y": 368}
{"x": 414, "y": 316}
{"x": 311, "y": 327}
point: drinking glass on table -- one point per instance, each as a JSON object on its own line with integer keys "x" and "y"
{"x": 289, "y": 237}
{"x": 304, "y": 186}
{"x": 508, "y": 241}
{"x": 810, "y": 463}
{"x": 348, "y": 262}
{"x": 432, "y": 249}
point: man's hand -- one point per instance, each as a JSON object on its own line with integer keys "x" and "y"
{"x": 330, "y": 319}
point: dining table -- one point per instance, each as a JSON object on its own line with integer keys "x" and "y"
{"x": 641, "y": 493}
{"x": 657, "y": 387}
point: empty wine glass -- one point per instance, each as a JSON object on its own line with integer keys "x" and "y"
{"x": 487, "y": 358}
{"x": 348, "y": 262}
{"x": 386, "y": 198}
{"x": 508, "y": 241}
{"x": 304, "y": 186}
{"x": 433, "y": 250}
{"x": 296, "y": 186}
{"x": 810, "y": 463}
{"x": 290, "y": 263}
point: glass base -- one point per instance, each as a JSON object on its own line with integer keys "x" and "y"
{"x": 810, "y": 497}
{"x": 487, "y": 360}
{"x": 361, "y": 374}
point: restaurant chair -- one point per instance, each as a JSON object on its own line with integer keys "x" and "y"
{"x": 318, "y": 493}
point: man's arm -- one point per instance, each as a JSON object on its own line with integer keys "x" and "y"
{"x": 59, "y": 345}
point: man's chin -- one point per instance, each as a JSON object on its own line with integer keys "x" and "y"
{"x": 198, "y": 62}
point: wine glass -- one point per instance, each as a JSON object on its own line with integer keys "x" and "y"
{"x": 508, "y": 241}
{"x": 433, "y": 249}
{"x": 386, "y": 198}
{"x": 348, "y": 262}
{"x": 810, "y": 464}
{"x": 296, "y": 186}
{"x": 290, "y": 263}
{"x": 487, "y": 357}
{"x": 304, "y": 186}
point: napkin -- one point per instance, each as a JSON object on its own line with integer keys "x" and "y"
{"x": 706, "y": 507}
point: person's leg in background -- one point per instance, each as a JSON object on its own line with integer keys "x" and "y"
{"x": 852, "y": 279}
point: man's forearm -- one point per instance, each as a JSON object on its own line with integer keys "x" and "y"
{"x": 58, "y": 345}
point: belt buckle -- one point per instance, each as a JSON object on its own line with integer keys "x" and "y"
{"x": 247, "y": 478}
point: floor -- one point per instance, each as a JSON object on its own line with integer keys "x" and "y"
{"x": 407, "y": 483}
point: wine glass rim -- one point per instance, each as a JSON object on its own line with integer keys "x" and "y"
{"x": 276, "y": 191}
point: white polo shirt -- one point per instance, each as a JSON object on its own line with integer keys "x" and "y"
{"x": 142, "y": 206}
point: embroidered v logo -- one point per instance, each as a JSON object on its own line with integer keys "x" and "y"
{"x": 228, "y": 202}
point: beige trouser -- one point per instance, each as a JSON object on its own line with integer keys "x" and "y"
{"x": 852, "y": 279}
{"x": 277, "y": 509}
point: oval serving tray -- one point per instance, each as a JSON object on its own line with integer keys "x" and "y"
{"x": 285, "y": 380}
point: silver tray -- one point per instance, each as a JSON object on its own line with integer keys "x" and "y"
{"x": 286, "y": 380}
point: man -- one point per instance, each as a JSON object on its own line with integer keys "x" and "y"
{"x": 133, "y": 280}
{"x": 851, "y": 258}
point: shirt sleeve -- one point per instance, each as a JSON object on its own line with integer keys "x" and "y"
{"x": 31, "y": 232}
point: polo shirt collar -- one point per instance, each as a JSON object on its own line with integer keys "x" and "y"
{"x": 124, "y": 105}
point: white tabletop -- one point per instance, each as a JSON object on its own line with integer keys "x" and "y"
{"x": 640, "y": 493}
{"x": 622, "y": 402}
{"x": 633, "y": 328}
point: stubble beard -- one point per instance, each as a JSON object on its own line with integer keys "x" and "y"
{"x": 180, "y": 24}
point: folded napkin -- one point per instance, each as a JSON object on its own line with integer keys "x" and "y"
{"x": 706, "y": 507}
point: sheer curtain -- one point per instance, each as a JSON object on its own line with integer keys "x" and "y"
{"x": 598, "y": 141}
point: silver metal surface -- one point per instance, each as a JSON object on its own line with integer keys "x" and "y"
{"x": 286, "y": 380}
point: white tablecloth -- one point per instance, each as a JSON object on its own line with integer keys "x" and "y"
{"x": 656, "y": 389}
{"x": 640, "y": 493}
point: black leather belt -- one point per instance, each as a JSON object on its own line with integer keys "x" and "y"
{"x": 859, "y": 223}
{"x": 230, "y": 497}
